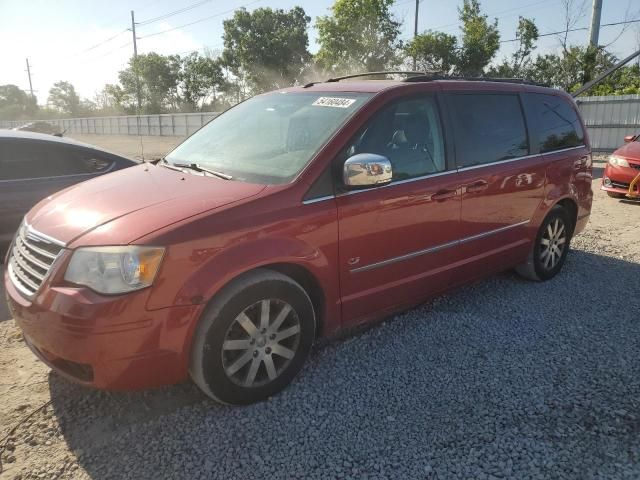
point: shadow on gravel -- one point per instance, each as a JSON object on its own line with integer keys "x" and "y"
{"x": 503, "y": 378}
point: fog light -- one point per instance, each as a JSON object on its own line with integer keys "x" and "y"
{"x": 607, "y": 182}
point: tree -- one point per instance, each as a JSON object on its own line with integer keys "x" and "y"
{"x": 520, "y": 63}
{"x": 434, "y": 52}
{"x": 200, "y": 77}
{"x": 567, "y": 69}
{"x": 15, "y": 103}
{"x": 480, "y": 39}
{"x": 63, "y": 97}
{"x": 360, "y": 35}
{"x": 158, "y": 76}
{"x": 268, "y": 47}
{"x": 625, "y": 81}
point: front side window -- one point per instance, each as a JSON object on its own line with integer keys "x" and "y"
{"x": 269, "y": 138}
{"x": 409, "y": 134}
{"x": 488, "y": 128}
{"x": 556, "y": 122}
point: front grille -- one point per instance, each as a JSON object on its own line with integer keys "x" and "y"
{"x": 620, "y": 185}
{"x": 32, "y": 256}
{"x": 635, "y": 165}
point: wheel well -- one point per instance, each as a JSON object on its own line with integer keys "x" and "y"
{"x": 311, "y": 285}
{"x": 572, "y": 209}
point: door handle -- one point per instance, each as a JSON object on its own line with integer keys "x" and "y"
{"x": 478, "y": 186}
{"x": 443, "y": 195}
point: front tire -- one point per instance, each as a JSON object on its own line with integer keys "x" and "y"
{"x": 253, "y": 338}
{"x": 550, "y": 247}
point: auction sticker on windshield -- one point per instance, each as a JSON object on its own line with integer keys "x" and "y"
{"x": 334, "y": 102}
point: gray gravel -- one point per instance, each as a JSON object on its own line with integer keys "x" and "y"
{"x": 505, "y": 378}
{"x": 502, "y": 379}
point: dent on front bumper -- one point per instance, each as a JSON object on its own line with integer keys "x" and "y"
{"x": 106, "y": 342}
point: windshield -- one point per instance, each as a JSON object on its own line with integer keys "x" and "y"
{"x": 269, "y": 138}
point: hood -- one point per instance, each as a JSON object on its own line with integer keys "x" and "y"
{"x": 629, "y": 150}
{"x": 142, "y": 198}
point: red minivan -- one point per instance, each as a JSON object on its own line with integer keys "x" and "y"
{"x": 293, "y": 215}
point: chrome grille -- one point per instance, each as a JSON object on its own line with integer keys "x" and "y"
{"x": 32, "y": 256}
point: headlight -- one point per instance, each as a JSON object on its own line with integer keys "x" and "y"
{"x": 114, "y": 269}
{"x": 618, "y": 162}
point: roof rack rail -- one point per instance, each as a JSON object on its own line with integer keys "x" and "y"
{"x": 370, "y": 74}
{"x": 429, "y": 78}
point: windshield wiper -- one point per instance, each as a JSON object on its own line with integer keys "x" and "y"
{"x": 166, "y": 164}
{"x": 199, "y": 168}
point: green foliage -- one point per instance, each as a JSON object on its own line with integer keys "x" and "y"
{"x": 569, "y": 69}
{"x": 63, "y": 97}
{"x": 480, "y": 39}
{"x": 360, "y": 35}
{"x": 625, "y": 81}
{"x": 267, "y": 47}
{"x": 15, "y": 103}
{"x": 434, "y": 52}
{"x": 520, "y": 63}
{"x": 200, "y": 78}
{"x": 158, "y": 76}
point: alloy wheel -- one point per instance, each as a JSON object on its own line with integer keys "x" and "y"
{"x": 260, "y": 343}
{"x": 552, "y": 243}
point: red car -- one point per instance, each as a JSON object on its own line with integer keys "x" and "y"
{"x": 293, "y": 215}
{"x": 622, "y": 168}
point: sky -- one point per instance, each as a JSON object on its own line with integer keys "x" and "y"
{"x": 87, "y": 42}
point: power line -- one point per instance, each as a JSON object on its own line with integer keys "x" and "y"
{"x": 93, "y": 47}
{"x": 171, "y": 14}
{"x": 575, "y": 30}
{"x": 198, "y": 21}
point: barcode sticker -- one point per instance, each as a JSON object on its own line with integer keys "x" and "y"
{"x": 336, "y": 102}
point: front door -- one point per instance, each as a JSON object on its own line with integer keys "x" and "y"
{"x": 397, "y": 242}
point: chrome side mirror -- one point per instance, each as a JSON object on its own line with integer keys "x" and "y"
{"x": 366, "y": 170}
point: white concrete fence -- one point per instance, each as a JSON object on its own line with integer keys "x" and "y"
{"x": 171, "y": 124}
{"x": 609, "y": 119}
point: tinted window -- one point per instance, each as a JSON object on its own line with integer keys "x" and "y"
{"x": 555, "y": 122}
{"x": 24, "y": 160}
{"x": 488, "y": 128}
{"x": 408, "y": 133}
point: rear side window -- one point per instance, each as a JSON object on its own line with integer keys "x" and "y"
{"x": 555, "y": 122}
{"x": 488, "y": 128}
{"x": 29, "y": 160}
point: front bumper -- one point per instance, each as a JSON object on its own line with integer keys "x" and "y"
{"x": 617, "y": 179}
{"x": 106, "y": 342}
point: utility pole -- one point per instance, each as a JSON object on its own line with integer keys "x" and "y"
{"x": 30, "y": 84}
{"x": 135, "y": 60}
{"x": 594, "y": 31}
{"x": 415, "y": 29}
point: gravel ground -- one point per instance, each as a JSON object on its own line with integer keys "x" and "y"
{"x": 502, "y": 379}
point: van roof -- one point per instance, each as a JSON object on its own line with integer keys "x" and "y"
{"x": 355, "y": 83}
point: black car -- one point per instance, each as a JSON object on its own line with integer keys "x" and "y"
{"x": 40, "y": 127}
{"x": 34, "y": 166}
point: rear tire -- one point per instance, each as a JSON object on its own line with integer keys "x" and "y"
{"x": 253, "y": 338}
{"x": 550, "y": 247}
{"x": 616, "y": 195}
